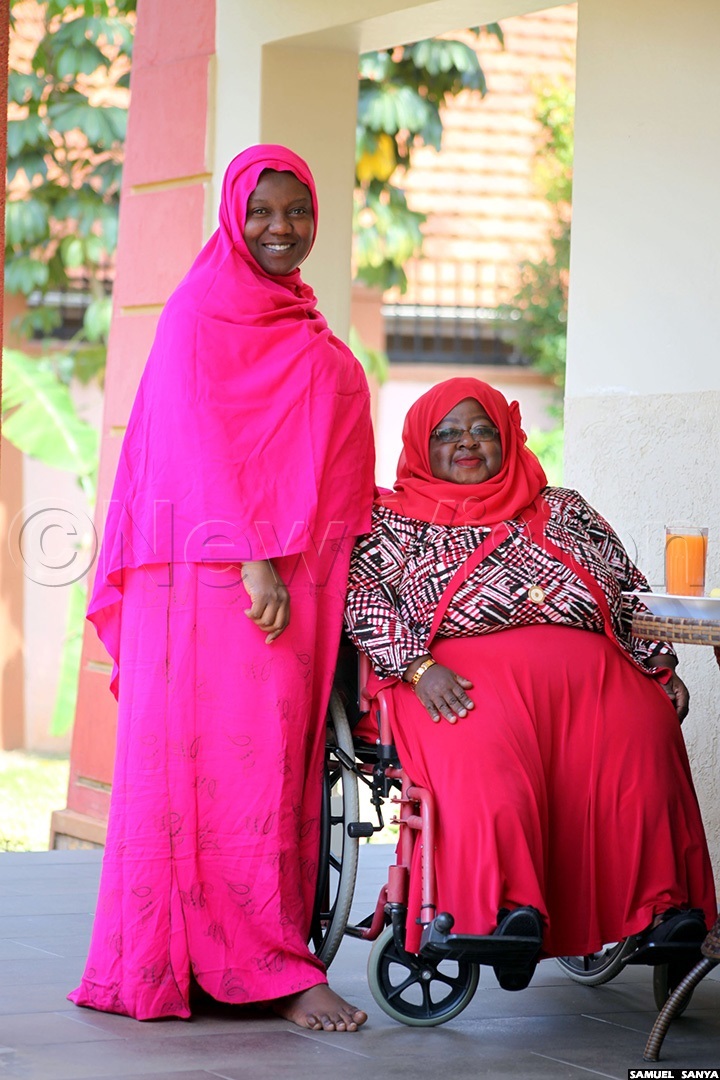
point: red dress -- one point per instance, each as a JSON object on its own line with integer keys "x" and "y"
{"x": 568, "y": 786}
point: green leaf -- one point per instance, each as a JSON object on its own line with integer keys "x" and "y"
{"x": 388, "y": 239}
{"x": 438, "y": 55}
{"x": 115, "y": 30}
{"x": 39, "y": 417}
{"x": 30, "y": 132}
{"x": 384, "y": 276}
{"x": 87, "y": 209}
{"x": 24, "y": 87}
{"x": 23, "y": 274}
{"x": 84, "y": 59}
{"x": 39, "y": 320}
{"x": 94, "y": 250}
{"x": 374, "y": 361}
{"x": 95, "y": 27}
{"x": 109, "y": 225}
{"x": 32, "y": 162}
{"x": 109, "y": 175}
{"x": 96, "y": 323}
{"x": 549, "y": 445}
{"x": 102, "y": 125}
{"x": 88, "y": 362}
{"x": 72, "y": 252}
{"x": 495, "y": 30}
{"x": 26, "y": 222}
{"x": 75, "y": 31}
{"x": 392, "y": 109}
{"x": 376, "y": 66}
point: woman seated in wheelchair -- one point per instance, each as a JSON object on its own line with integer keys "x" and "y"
{"x": 498, "y": 612}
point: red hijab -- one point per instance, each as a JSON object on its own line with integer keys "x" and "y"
{"x": 418, "y": 494}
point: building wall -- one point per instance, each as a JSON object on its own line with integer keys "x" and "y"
{"x": 162, "y": 225}
{"x": 485, "y": 210}
{"x": 643, "y": 385}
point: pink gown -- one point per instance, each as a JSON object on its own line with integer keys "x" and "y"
{"x": 212, "y": 847}
{"x": 250, "y": 439}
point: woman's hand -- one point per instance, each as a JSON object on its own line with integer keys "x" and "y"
{"x": 679, "y": 694}
{"x": 269, "y": 598}
{"x": 675, "y": 688}
{"x": 442, "y": 691}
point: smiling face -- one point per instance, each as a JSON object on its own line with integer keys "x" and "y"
{"x": 468, "y": 459}
{"x": 280, "y": 226}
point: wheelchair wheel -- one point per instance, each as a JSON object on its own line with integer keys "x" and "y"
{"x": 338, "y": 857}
{"x": 600, "y": 967}
{"x": 421, "y": 993}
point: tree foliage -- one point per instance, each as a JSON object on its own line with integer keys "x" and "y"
{"x": 540, "y": 304}
{"x": 68, "y": 116}
{"x": 40, "y": 419}
{"x": 400, "y": 96}
{"x": 66, "y": 129}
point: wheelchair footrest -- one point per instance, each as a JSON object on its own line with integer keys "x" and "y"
{"x": 665, "y": 952}
{"x": 505, "y": 950}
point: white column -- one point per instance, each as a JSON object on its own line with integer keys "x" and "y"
{"x": 309, "y": 102}
{"x": 643, "y": 387}
{"x": 304, "y": 97}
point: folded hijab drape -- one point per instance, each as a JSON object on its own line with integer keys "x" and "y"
{"x": 418, "y": 494}
{"x": 250, "y": 436}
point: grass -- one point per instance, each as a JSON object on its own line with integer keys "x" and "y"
{"x": 31, "y": 787}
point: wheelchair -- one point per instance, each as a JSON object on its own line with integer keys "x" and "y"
{"x": 432, "y": 986}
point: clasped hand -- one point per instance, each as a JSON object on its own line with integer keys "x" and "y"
{"x": 443, "y": 693}
{"x": 675, "y": 688}
{"x": 679, "y": 694}
{"x": 269, "y": 597}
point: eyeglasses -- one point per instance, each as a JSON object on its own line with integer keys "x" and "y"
{"x": 478, "y": 433}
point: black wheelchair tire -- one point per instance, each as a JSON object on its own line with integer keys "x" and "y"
{"x": 597, "y": 968}
{"x": 338, "y": 856}
{"x": 421, "y": 976}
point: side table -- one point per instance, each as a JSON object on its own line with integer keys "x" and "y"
{"x": 687, "y": 632}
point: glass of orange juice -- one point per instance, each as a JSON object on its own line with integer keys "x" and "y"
{"x": 685, "y": 558}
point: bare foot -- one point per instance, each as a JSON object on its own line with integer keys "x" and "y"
{"x": 319, "y": 1009}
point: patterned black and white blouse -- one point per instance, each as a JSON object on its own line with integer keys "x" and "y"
{"x": 399, "y": 571}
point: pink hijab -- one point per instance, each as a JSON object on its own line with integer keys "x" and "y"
{"x": 418, "y": 494}
{"x": 250, "y": 436}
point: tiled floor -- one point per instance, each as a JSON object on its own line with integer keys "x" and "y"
{"x": 554, "y": 1030}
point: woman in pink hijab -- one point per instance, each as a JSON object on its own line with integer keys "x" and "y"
{"x": 245, "y": 475}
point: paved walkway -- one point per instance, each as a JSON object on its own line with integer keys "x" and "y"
{"x": 554, "y": 1030}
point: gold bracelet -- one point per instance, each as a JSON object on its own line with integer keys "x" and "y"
{"x": 421, "y": 671}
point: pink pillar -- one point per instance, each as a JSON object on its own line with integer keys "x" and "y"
{"x": 161, "y": 230}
